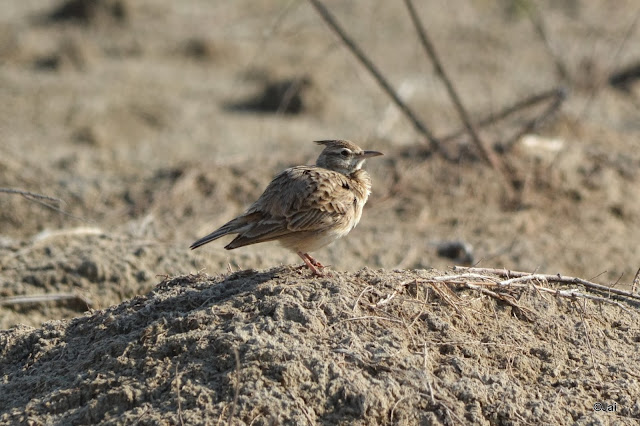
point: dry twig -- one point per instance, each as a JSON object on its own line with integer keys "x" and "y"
{"x": 425, "y": 365}
{"x": 43, "y": 200}
{"x": 355, "y": 305}
{"x": 43, "y": 298}
{"x": 236, "y": 392}
{"x": 588, "y": 339}
{"x": 436, "y": 144}
{"x": 558, "y": 95}
{"x": 487, "y": 153}
{"x": 393, "y": 409}
{"x": 538, "y": 24}
{"x": 178, "y": 392}
{"x": 382, "y": 81}
{"x": 636, "y": 282}
{"x": 373, "y": 317}
{"x": 614, "y": 79}
{"x": 30, "y": 195}
{"x": 524, "y": 280}
{"x": 519, "y": 311}
{"x": 550, "y": 278}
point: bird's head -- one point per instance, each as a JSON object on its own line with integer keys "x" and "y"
{"x": 343, "y": 156}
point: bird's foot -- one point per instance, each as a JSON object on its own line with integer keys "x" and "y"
{"x": 312, "y": 264}
{"x": 313, "y": 261}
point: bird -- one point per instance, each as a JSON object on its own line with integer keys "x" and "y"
{"x": 308, "y": 207}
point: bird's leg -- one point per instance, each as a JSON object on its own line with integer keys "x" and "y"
{"x": 312, "y": 260}
{"x": 310, "y": 263}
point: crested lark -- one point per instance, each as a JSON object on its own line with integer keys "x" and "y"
{"x": 306, "y": 207}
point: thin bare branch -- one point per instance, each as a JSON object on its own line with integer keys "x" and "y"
{"x": 425, "y": 368}
{"x": 43, "y": 298}
{"x": 31, "y": 195}
{"x": 236, "y": 391}
{"x": 525, "y": 282}
{"x": 538, "y": 24}
{"x": 487, "y": 153}
{"x": 600, "y": 84}
{"x": 636, "y": 282}
{"x": 178, "y": 386}
{"x": 520, "y": 311}
{"x": 43, "y": 200}
{"x": 550, "y": 278}
{"x": 588, "y": 339}
{"x": 382, "y": 81}
{"x": 558, "y": 95}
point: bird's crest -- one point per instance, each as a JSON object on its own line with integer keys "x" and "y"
{"x": 339, "y": 143}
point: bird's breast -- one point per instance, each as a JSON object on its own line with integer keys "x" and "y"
{"x": 360, "y": 186}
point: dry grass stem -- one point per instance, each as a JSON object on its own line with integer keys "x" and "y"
{"x": 486, "y": 152}
{"x": 382, "y": 81}
{"x": 636, "y": 282}
{"x": 549, "y": 278}
{"x": 178, "y": 386}
{"x": 31, "y": 195}
{"x": 236, "y": 391}
{"x": 557, "y": 96}
{"x": 45, "y": 298}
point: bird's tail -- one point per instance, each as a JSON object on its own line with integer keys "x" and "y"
{"x": 232, "y": 227}
{"x": 207, "y": 239}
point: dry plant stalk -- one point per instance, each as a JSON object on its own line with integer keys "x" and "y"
{"x": 501, "y": 290}
{"x": 330, "y": 20}
{"x": 236, "y": 391}
{"x": 30, "y": 195}
{"x": 44, "y": 298}
{"x": 512, "y": 275}
{"x": 636, "y": 282}
{"x": 487, "y": 153}
{"x": 520, "y": 311}
{"x": 43, "y": 200}
{"x": 178, "y": 386}
{"x": 557, "y": 95}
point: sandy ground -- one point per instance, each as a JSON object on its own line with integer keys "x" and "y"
{"x": 372, "y": 347}
{"x": 152, "y": 122}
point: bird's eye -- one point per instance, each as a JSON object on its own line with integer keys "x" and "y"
{"x": 344, "y": 152}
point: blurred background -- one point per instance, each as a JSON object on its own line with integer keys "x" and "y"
{"x": 155, "y": 122}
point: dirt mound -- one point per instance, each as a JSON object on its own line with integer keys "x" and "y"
{"x": 371, "y": 347}
{"x": 87, "y": 263}
{"x": 124, "y": 111}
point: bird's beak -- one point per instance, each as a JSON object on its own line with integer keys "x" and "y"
{"x": 368, "y": 154}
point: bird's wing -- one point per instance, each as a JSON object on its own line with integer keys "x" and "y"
{"x": 299, "y": 199}
{"x": 307, "y": 198}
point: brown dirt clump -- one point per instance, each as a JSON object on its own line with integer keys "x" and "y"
{"x": 280, "y": 347}
{"x": 89, "y": 11}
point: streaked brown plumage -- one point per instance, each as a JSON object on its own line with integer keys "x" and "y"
{"x": 306, "y": 207}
